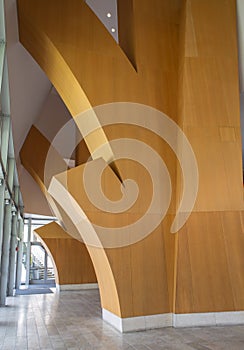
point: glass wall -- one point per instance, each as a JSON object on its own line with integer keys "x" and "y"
{"x": 11, "y": 203}
{"x": 37, "y": 266}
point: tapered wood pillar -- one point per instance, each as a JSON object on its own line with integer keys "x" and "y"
{"x": 73, "y": 268}
{"x": 184, "y": 64}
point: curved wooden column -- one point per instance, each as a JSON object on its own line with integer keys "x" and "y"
{"x": 140, "y": 270}
{"x": 67, "y": 252}
{"x": 118, "y": 269}
{"x": 70, "y": 257}
{"x": 97, "y": 71}
{"x": 187, "y": 68}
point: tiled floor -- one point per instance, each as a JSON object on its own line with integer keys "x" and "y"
{"x": 72, "y": 320}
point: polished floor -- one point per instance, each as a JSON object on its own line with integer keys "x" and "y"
{"x": 72, "y": 320}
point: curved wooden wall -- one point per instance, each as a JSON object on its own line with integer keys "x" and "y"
{"x": 71, "y": 259}
{"x": 185, "y": 55}
{"x": 33, "y": 156}
{"x": 65, "y": 250}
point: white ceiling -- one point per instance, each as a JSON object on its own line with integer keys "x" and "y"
{"x": 102, "y": 8}
{"x": 29, "y": 86}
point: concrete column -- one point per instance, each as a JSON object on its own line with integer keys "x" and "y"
{"x": 13, "y": 242}
{"x": 45, "y": 267}
{"x": 6, "y": 234}
{"x": 2, "y": 57}
{"x": 5, "y": 132}
{"x": 28, "y": 254}
{"x": 19, "y": 254}
{"x": 10, "y": 171}
{"x": 5, "y": 252}
{"x": 2, "y": 189}
{"x": 12, "y": 257}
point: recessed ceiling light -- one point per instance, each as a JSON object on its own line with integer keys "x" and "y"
{"x": 113, "y": 30}
{"x": 109, "y": 15}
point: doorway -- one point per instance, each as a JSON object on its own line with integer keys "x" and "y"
{"x": 41, "y": 267}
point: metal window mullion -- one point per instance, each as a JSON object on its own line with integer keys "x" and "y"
{"x": 20, "y": 253}
{"x": 45, "y": 266}
{"x": 28, "y": 254}
{"x": 2, "y": 56}
{"x": 12, "y": 256}
{"x": 2, "y": 191}
{"x": 5, "y": 99}
{"x": 16, "y": 193}
{"x": 2, "y": 21}
{"x": 5, "y": 253}
{"x": 10, "y": 174}
{"x": 5, "y": 133}
{"x": 13, "y": 243}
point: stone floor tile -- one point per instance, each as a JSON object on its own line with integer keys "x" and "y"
{"x": 72, "y": 320}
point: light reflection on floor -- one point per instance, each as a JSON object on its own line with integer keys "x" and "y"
{"x": 72, "y": 320}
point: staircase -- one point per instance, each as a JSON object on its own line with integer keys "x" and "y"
{"x": 38, "y": 264}
{"x": 50, "y": 273}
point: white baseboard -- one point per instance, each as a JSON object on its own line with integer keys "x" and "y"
{"x": 73, "y": 287}
{"x": 208, "y": 319}
{"x": 142, "y": 323}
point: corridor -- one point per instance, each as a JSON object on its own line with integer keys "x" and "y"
{"x": 72, "y": 320}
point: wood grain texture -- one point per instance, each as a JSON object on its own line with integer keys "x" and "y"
{"x": 210, "y": 263}
{"x": 64, "y": 249}
{"x": 71, "y": 258}
{"x": 210, "y": 246}
{"x": 53, "y": 236}
{"x": 130, "y": 266}
{"x": 210, "y": 112}
{"x": 91, "y": 58}
{"x": 185, "y": 53}
{"x": 127, "y": 29}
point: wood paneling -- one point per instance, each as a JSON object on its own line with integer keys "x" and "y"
{"x": 71, "y": 258}
{"x": 127, "y": 29}
{"x": 97, "y": 63}
{"x": 63, "y": 248}
{"x": 185, "y": 53}
{"x": 33, "y": 156}
{"x": 210, "y": 259}
{"x": 137, "y": 290}
{"x": 210, "y": 263}
{"x": 91, "y": 58}
{"x": 210, "y": 112}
